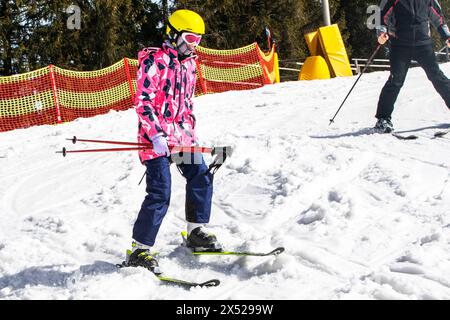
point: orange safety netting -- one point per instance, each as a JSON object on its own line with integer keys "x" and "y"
{"x": 238, "y": 69}
{"x": 87, "y": 94}
{"x": 27, "y": 100}
{"x": 53, "y": 95}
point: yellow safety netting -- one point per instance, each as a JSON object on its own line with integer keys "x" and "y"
{"x": 54, "y": 95}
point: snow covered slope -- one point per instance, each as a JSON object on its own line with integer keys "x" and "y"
{"x": 361, "y": 216}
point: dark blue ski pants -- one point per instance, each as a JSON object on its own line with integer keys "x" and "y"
{"x": 199, "y": 190}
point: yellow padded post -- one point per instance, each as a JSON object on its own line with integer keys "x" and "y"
{"x": 314, "y": 68}
{"x": 313, "y": 42}
{"x": 334, "y": 51}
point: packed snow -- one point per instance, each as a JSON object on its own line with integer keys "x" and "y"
{"x": 362, "y": 216}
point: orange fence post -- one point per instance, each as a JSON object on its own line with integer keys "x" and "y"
{"x": 263, "y": 65}
{"x": 55, "y": 94}
{"x": 130, "y": 83}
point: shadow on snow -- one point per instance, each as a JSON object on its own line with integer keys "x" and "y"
{"x": 50, "y": 276}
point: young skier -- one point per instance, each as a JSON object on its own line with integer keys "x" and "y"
{"x": 405, "y": 23}
{"x": 165, "y": 87}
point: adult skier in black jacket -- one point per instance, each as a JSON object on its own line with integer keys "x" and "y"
{"x": 406, "y": 24}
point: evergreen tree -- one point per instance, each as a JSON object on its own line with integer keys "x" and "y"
{"x": 235, "y": 23}
{"x": 362, "y": 40}
{"x": 15, "y": 28}
{"x": 361, "y": 37}
{"x": 34, "y": 34}
{"x": 121, "y": 29}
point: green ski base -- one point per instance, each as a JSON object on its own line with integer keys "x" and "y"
{"x": 274, "y": 252}
{"x": 177, "y": 282}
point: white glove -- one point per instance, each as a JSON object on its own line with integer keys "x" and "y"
{"x": 160, "y": 146}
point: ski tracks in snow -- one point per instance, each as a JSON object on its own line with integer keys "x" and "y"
{"x": 355, "y": 214}
{"x": 361, "y": 216}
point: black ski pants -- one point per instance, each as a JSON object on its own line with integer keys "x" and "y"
{"x": 400, "y": 59}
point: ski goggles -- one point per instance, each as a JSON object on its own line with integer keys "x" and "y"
{"x": 191, "y": 39}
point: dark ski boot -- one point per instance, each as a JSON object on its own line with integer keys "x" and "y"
{"x": 199, "y": 241}
{"x": 384, "y": 125}
{"x": 142, "y": 258}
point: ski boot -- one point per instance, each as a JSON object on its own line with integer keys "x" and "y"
{"x": 142, "y": 258}
{"x": 200, "y": 241}
{"x": 384, "y": 125}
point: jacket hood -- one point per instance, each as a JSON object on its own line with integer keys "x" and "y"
{"x": 166, "y": 47}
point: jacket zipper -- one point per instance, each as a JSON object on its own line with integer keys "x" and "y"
{"x": 174, "y": 94}
{"x": 180, "y": 97}
{"x": 414, "y": 21}
{"x": 175, "y": 89}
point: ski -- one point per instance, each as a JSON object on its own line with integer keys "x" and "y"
{"x": 402, "y": 137}
{"x": 177, "y": 282}
{"x": 440, "y": 134}
{"x": 394, "y": 134}
{"x": 437, "y": 134}
{"x": 274, "y": 252}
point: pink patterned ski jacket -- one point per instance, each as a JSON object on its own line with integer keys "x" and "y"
{"x": 163, "y": 100}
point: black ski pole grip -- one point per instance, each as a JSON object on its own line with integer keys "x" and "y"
{"x": 221, "y": 153}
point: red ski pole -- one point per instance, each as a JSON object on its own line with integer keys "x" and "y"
{"x": 177, "y": 149}
{"x": 75, "y": 140}
{"x": 220, "y": 153}
{"x": 173, "y": 149}
{"x": 65, "y": 151}
{"x": 135, "y": 146}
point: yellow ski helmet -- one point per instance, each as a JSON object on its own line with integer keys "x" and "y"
{"x": 185, "y": 20}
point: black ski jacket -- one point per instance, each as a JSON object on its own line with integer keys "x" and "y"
{"x": 408, "y": 21}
